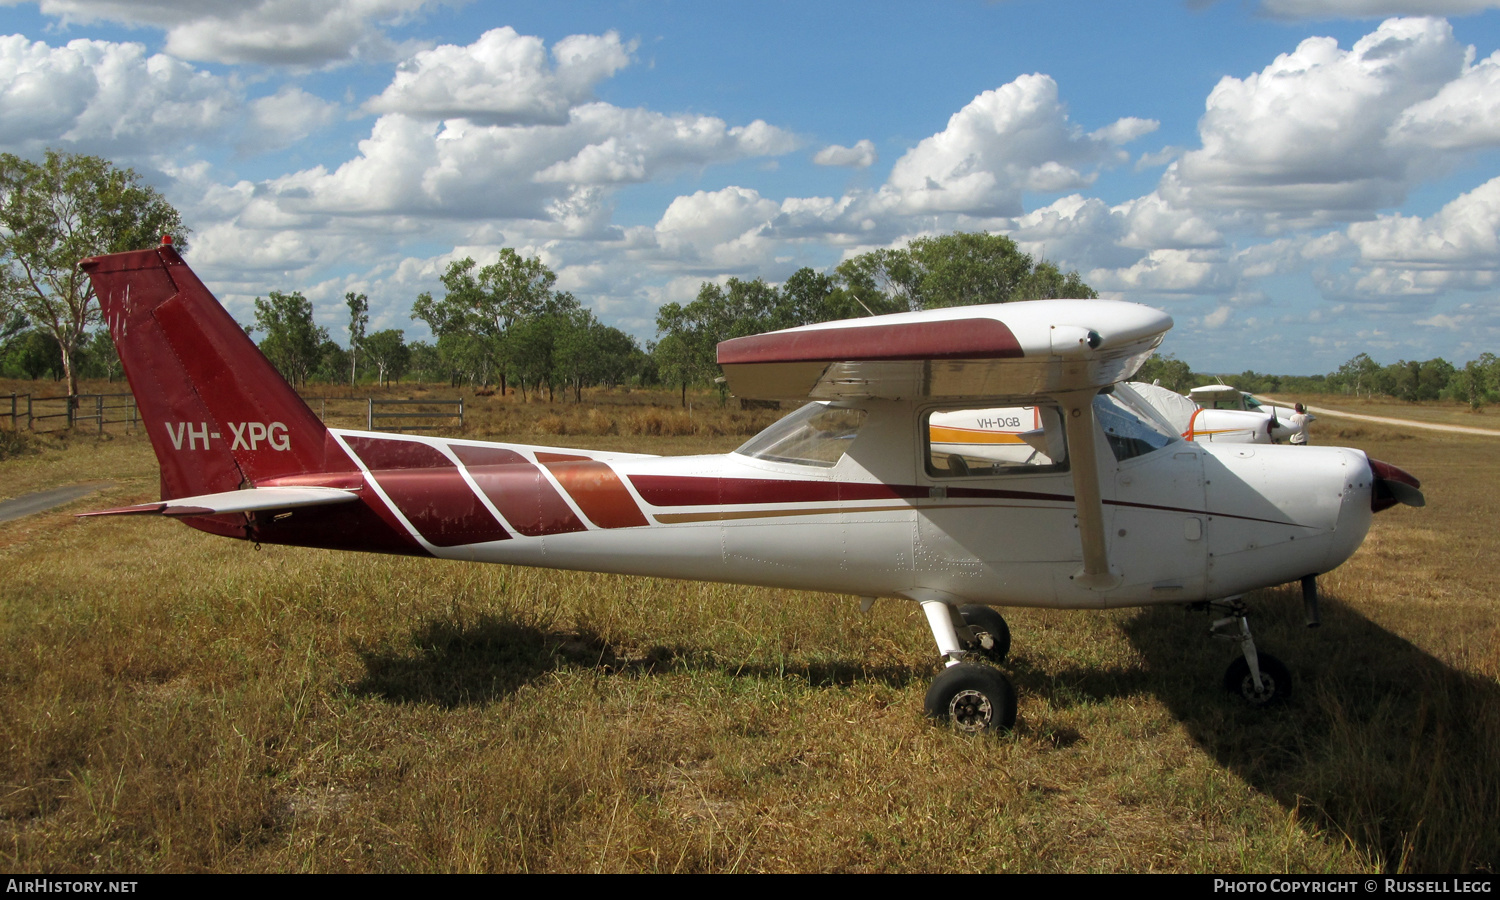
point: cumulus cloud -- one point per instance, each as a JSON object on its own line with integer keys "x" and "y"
{"x": 1006, "y": 141}
{"x": 503, "y": 78}
{"x": 1457, "y": 248}
{"x": 284, "y": 118}
{"x": 860, "y": 156}
{"x": 1309, "y": 135}
{"x": 1464, "y": 114}
{"x": 1464, "y": 234}
{"x": 1182, "y": 272}
{"x": 276, "y": 32}
{"x": 724, "y": 228}
{"x": 105, "y": 97}
{"x": 459, "y": 169}
{"x": 115, "y": 99}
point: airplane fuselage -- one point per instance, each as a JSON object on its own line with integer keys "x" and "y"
{"x": 1186, "y": 522}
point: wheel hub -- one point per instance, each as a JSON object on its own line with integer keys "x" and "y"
{"x": 1267, "y": 690}
{"x": 970, "y": 710}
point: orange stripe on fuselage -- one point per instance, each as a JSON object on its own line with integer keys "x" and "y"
{"x": 947, "y": 434}
{"x": 595, "y": 487}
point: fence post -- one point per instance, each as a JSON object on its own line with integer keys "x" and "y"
{"x": 369, "y": 413}
{"x": 13, "y": 424}
{"x": 460, "y": 412}
{"x": 71, "y": 399}
{"x": 30, "y": 423}
{"x": 99, "y": 408}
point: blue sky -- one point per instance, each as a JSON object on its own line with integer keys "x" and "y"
{"x": 1295, "y": 181}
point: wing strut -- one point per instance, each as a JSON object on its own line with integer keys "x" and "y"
{"x": 1078, "y": 414}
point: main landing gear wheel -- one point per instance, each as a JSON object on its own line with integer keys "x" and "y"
{"x": 1275, "y": 681}
{"x": 991, "y": 634}
{"x": 973, "y": 699}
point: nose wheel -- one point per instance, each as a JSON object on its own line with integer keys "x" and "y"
{"x": 1275, "y": 681}
{"x": 1259, "y": 679}
{"x": 991, "y": 636}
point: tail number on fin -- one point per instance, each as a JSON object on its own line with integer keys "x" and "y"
{"x": 247, "y": 435}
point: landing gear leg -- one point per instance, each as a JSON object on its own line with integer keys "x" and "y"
{"x": 940, "y": 618}
{"x": 972, "y": 698}
{"x": 1260, "y": 678}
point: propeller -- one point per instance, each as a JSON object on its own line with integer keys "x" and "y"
{"x": 1394, "y": 485}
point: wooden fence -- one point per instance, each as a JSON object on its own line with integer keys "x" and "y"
{"x": 61, "y": 413}
{"x": 68, "y": 411}
{"x": 374, "y": 414}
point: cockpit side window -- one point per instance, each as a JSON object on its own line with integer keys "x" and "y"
{"x": 965, "y": 443}
{"x": 818, "y": 434}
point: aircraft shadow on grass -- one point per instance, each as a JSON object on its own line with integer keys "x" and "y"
{"x": 453, "y": 664}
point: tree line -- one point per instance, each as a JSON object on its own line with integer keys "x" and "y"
{"x": 1475, "y": 383}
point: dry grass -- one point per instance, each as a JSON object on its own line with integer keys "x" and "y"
{"x": 178, "y": 702}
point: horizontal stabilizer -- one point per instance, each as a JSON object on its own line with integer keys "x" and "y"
{"x": 250, "y": 500}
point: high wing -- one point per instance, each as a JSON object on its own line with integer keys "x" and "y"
{"x": 1011, "y": 351}
{"x": 1004, "y": 354}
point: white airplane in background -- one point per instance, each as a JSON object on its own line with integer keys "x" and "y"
{"x": 1222, "y": 400}
{"x": 977, "y": 437}
{"x": 852, "y": 493}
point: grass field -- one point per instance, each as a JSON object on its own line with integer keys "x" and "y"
{"x": 179, "y": 702}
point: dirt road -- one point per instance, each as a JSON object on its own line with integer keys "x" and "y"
{"x": 1410, "y": 423}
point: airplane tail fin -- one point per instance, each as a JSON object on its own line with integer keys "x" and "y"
{"x": 219, "y": 415}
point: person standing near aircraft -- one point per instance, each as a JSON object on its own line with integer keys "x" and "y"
{"x": 1299, "y": 421}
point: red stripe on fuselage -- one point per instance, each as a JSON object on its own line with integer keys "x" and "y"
{"x": 519, "y": 490}
{"x": 429, "y": 490}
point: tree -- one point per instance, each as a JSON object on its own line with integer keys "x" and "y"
{"x": 293, "y": 344}
{"x": 960, "y": 269}
{"x": 359, "y": 319}
{"x": 1169, "y": 372}
{"x": 1357, "y": 376}
{"x": 56, "y": 212}
{"x": 486, "y": 303}
{"x": 387, "y": 351}
{"x": 426, "y": 364}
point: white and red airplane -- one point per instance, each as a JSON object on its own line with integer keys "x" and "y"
{"x": 852, "y": 493}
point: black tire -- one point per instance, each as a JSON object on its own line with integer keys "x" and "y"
{"x": 991, "y": 634}
{"x": 973, "y": 699}
{"x": 1276, "y": 681}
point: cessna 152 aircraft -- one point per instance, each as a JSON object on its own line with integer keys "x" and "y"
{"x": 852, "y": 493}
{"x": 1221, "y": 401}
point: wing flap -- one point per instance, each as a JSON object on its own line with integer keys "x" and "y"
{"x": 266, "y": 499}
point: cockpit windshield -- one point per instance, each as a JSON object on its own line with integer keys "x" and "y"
{"x": 1132, "y": 427}
{"x": 815, "y": 435}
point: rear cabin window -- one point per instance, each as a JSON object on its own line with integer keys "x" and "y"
{"x": 999, "y": 441}
{"x": 815, "y": 435}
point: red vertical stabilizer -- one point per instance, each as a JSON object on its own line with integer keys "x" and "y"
{"x": 219, "y": 415}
